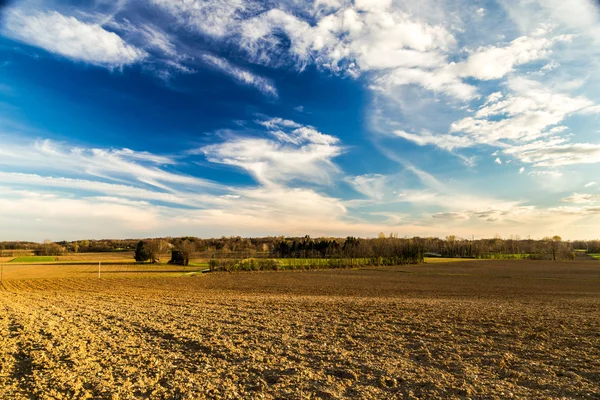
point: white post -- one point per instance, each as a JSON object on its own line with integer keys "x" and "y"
{"x": 99, "y": 263}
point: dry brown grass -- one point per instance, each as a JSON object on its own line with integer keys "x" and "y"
{"x": 437, "y": 260}
{"x": 16, "y": 271}
{"x": 485, "y": 329}
{"x": 108, "y": 256}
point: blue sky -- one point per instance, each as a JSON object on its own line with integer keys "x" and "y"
{"x": 169, "y": 117}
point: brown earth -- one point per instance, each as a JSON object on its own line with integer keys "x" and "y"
{"x": 19, "y": 271}
{"x": 480, "y": 330}
{"x": 121, "y": 256}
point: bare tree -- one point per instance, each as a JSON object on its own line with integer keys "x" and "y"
{"x": 155, "y": 248}
{"x": 183, "y": 251}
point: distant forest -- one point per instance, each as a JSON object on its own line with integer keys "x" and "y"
{"x": 388, "y": 246}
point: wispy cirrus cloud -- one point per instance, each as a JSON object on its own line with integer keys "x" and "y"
{"x": 120, "y": 165}
{"x": 446, "y": 142}
{"x": 69, "y": 37}
{"x": 582, "y": 198}
{"x": 373, "y": 186}
{"x": 241, "y": 75}
{"x": 541, "y": 154}
{"x": 83, "y": 189}
{"x": 212, "y": 17}
{"x": 123, "y": 193}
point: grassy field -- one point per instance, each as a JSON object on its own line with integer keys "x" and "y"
{"x": 513, "y": 256}
{"x": 33, "y": 259}
{"x": 255, "y": 264}
{"x": 437, "y": 260}
{"x": 17, "y": 272}
{"x": 596, "y": 256}
{"x": 119, "y": 256}
{"x": 81, "y": 258}
{"x": 477, "y": 329}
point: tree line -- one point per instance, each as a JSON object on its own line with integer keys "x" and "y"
{"x": 323, "y": 247}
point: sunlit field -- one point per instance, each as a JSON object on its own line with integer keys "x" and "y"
{"x": 479, "y": 329}
{"x": 33, "y": 259}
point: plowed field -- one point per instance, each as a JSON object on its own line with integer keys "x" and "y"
{"x": 484, "y": 329}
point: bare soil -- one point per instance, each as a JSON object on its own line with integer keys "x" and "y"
{"x": 480, "y": 330}
{"x": 105, "y": 256}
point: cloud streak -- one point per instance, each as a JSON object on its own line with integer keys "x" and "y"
{"x": 71, "y": 38}
{"x": 241, "y": 75}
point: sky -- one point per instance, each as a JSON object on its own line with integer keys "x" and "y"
{"x": 130, "y": 118}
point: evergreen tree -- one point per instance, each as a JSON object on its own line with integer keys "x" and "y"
{"x": 141, "y": 252}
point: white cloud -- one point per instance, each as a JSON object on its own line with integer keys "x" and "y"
{"x": 447, "y": 200}
{"x": 34, "y": 205}
{"x": 528, "y": 113}
{"x": 101, "y": 216}
{"x": 270, "y": 161}
{"x": 425, "y": 63}
{"x": 211, "y": 17}
{"x": 350, "y": 39}
{"x": 380, "y": 38}
{"x": 449, "y": 197}
{"x": 441, "y": 80}
{"x": 400, "y": 45}
{"x": 297, "y": 153}
{"x": 374, "y": 186}
{"x": 126, "y": 193}
{"x": 546, "y": 173}
{"x": 393, "y": 40}
{"x": 166, "y": 56}
{"x": 590, "y": 184}
{"x": 556, "y": 153}
{"x": 278, "y": 123}
{"x": 582, "y": 198}
{"x": 550, "y": 66}
{"x": 241, "y": 75}
{"x": 494, "y": 62}
{"x": 293, "y": 203}
{"x": 493, "y": 98}
{"x": 498, "y": 160}
{"x": 298, "y": 134}
{"x": 467, "y": 213}
{"x": 71, "y": 38}
{"x": 580, "y": 16}
{"x": 446, "y": 142}
{"x": 526, "y": 124}
{"x": 107, "y": 190}
{"x": 147, "y": 35}
{"x": 120, "y": 165}
{"x": 451, "y": 215}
